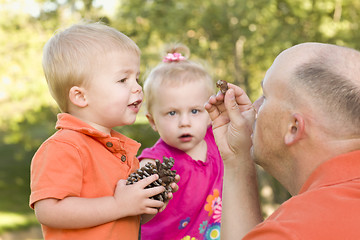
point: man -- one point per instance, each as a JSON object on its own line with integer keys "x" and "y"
{"x": 306, "y": 134}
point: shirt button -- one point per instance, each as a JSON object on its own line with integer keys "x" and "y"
{"x": 123, "y": 158}
{"x": 109, "y": 144}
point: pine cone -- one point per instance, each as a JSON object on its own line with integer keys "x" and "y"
{"x": 166, "y": 176}
{"x": 222, "y": 85}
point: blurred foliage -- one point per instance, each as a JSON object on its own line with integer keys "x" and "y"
{"x": 239, "y": 39}
{"x": 236, "y": 39}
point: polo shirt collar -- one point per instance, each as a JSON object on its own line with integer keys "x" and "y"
{"x": 115, "y": 143}
{"x": 343, "y": 168}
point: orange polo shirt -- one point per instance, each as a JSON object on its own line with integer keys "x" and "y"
{"x": 327, "y": 206}
{"x": 80, "y": 161}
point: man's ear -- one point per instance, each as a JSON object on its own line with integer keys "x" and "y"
{"x": 151, "y": 121}
{"x": 296, "y": 129}
{"x": 77, "y": 96}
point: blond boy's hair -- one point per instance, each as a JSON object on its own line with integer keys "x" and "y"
{"x": 176, "y": 73}
{"x": 70, "y": 56}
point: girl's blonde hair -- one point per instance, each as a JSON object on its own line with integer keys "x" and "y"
{"x": 176, "y": 73}
{"x": 70, "y": 56}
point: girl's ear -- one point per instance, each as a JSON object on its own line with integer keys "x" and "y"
{"x": 77, "y": 96}
{"x": 151, "y": 121}
{"x": 296, "y": 129}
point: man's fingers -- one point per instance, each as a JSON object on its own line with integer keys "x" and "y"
{"x": 242, "y": 99}
{"x": 240, "y": 110}
{"x": 212, "y": 108}
{"x": 233, "y": 109}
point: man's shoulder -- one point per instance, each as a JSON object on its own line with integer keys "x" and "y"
{"x": 323, "y": 213}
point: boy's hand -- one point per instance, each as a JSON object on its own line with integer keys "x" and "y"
{"x": 135, "y": 199}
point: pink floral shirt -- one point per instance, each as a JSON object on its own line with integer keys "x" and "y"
{"x": 195, "y": 211}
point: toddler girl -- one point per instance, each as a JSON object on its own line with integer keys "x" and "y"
{"x": 176, "y": 91}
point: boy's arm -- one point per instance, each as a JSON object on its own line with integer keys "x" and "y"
{"x": 76, "y": 212}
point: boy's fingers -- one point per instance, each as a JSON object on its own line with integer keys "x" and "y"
{"x": 154, "y": 191}
{"x": 153, "y": 206}
{"x": 148, "y": 180}
{"x": 121, "y": 182}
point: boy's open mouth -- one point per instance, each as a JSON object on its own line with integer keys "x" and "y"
{"x": 136, "y": 103}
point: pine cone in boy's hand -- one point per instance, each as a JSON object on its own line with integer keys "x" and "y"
{"x": 166, "y": 176}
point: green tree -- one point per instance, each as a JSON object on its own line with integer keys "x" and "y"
{"x": 23, "y": 90}
{"x": 238, "y": 38}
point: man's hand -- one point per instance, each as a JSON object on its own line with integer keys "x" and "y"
{"x": 233, "y": 116}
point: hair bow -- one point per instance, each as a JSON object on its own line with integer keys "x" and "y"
{"x": 173, "y": 57}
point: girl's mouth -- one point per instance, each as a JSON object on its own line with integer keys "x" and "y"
{"x": 185, "y": 138}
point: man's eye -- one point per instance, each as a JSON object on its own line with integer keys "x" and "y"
{"x": 194, "y": 111}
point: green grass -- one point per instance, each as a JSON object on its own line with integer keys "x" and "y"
{"x": 14, "y": 188}
{"x": 11, "y": 221}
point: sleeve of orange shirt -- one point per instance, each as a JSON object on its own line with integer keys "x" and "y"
{"x": 56, "y": 171}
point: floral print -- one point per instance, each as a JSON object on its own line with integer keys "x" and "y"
{"x": 203, "y": 226}
{"x": 212, "y": 232}
{"x": 188, "y": 238}
{"x": 212, "y": 201}
{"x": 217, "y": 212}
{"x": 184, "y": 223}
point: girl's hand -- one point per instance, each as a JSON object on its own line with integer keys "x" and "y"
{"x": 174, "y": 188}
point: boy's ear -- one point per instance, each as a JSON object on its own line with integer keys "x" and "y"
{"x": 296, "y": 129}
{"x": 151, "y": 121}
{"x": 77, "y": 96}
